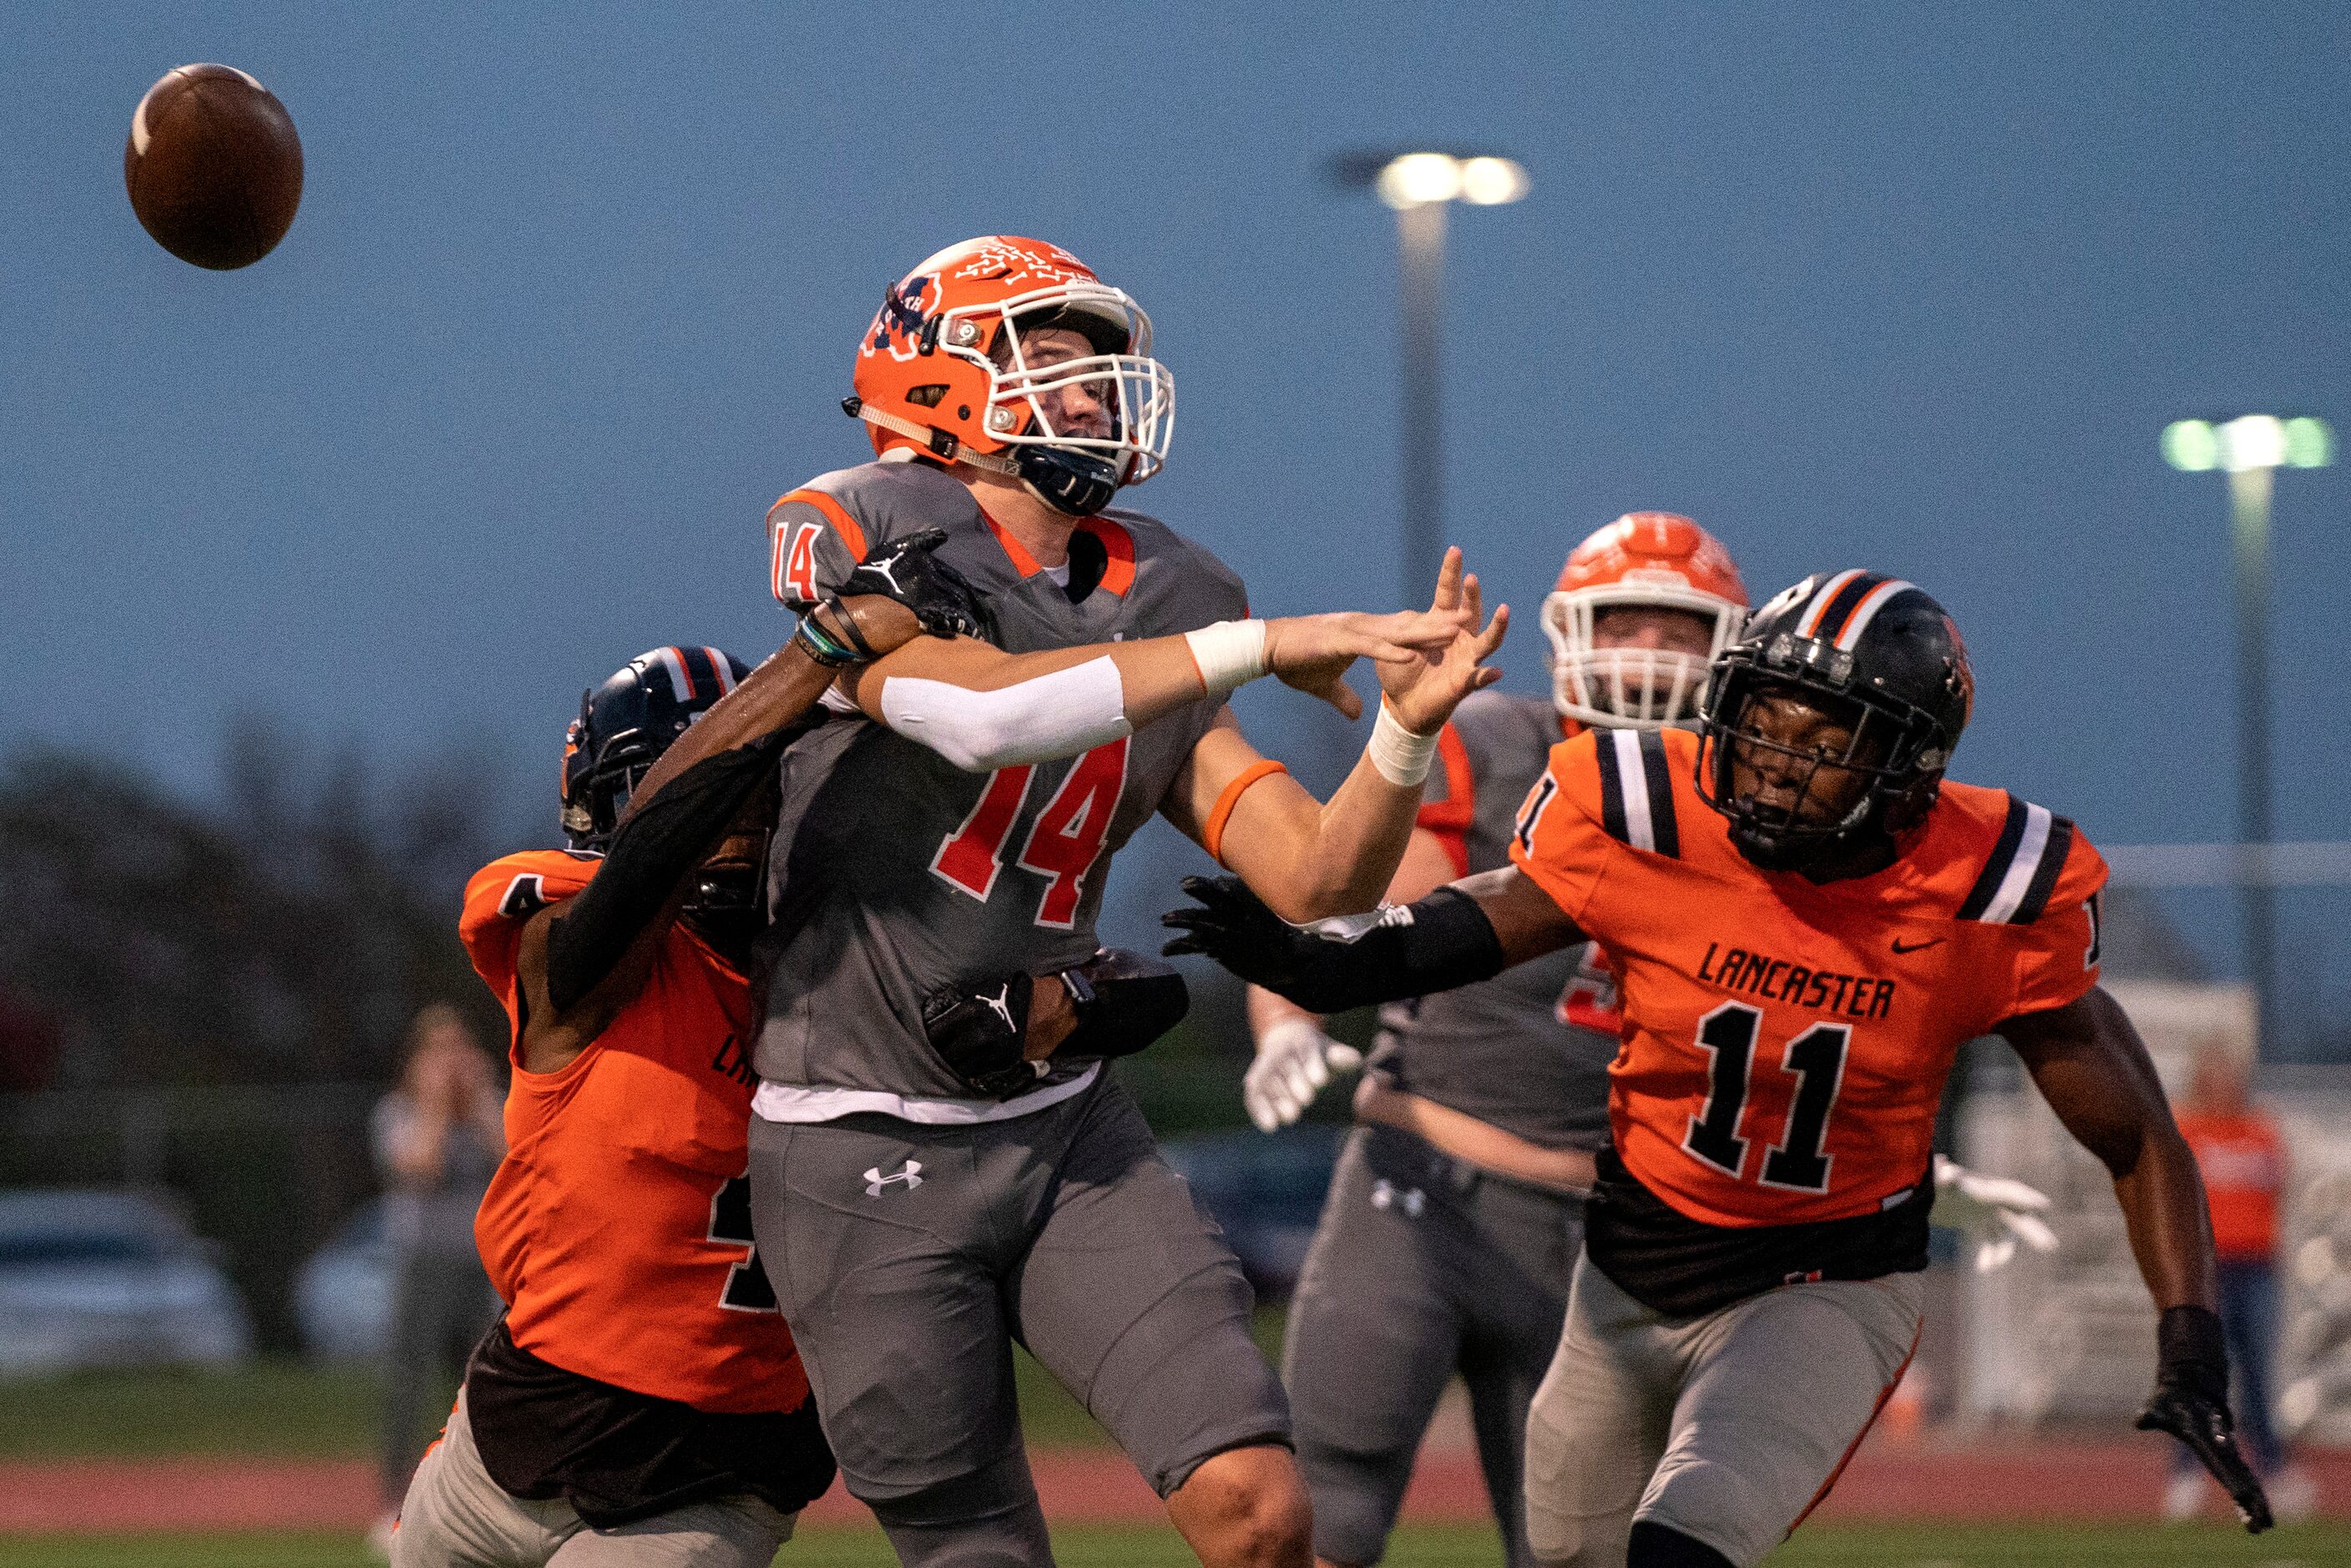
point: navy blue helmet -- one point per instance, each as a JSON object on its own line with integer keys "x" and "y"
{"x": 1875, "y": 654}
{"x": 627, "y": 723}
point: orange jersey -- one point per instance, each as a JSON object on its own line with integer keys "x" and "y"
{"x": 1784, "y": 1044}
{"x": 2242, "y": 1161}
{"x": 618, "y": 1227}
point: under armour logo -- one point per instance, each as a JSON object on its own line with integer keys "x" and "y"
{"x": 875, "y": 1181}
{"x": 1411, "y": 1200}
{"x": 1001, "y": 1002}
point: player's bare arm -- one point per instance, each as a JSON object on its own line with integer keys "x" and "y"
{"x": 1313, "y": 859}
{"x": 2090, "y": 1064}
{"x": 984, "y": 709}
{"x": 898, "y": 595}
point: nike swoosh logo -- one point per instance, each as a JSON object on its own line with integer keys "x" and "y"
{"x": 1901, "y": 946}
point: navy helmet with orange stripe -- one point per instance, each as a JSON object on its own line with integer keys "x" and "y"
{"x": 1879, "y": 673}
{"x": 627, "y": 723}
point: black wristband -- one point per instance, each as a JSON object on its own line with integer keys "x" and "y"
{"x": 650, "y": 854}
{"x": 2189, "y": 1351}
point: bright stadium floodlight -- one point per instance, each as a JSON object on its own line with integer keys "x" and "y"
{"x": 2251, "y": 448}
{"x": 2309, "y": 443}
{"x": 1418, "y": 178}
{"x": 1418, "y": 186}
{"x": 1493, "y": 182}
{"x": 2192, "y": 446}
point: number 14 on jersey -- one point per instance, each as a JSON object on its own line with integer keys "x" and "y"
{"x": 1062, "y": 844}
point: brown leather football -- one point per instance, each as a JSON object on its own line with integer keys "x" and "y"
{"x": 213, "y": 166}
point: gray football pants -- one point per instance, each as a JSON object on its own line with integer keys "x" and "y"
{"x": 1728, "y": 1428}
{"x": 455, "y": 1516}
{"x": 1422, "y": 1266}
{"x": 908, "y": 1259}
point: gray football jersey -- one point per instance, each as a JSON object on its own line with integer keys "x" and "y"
{"x": 894, "y": 875}
{"x": 1505, "y": 1050}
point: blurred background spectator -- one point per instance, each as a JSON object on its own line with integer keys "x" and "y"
{"x": 2242, "y": 1157}
{"x": 438, "y": 1138}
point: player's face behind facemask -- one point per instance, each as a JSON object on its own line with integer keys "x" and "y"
{"x": 1802, "y": 759}
{"x": 1802, "y": 776}
{"x": 1649, "y": 661}
{"x": 1070, "y": 393}
{"x": 1080, "y": 403}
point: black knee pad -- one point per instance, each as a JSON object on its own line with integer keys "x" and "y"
{"x": 1655, "y": 1546}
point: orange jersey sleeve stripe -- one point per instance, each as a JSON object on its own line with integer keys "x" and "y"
{"x": 834, "y": 513}
{"x": 1212, "y": 833}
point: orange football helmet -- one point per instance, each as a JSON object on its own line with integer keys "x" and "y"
{"x": 943, "y": 372}
{"x": 1657, "y": 560}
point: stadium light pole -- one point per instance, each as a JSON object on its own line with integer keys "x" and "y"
{"x": 2250, "y": 449}
{"x": 1418, "y": 187}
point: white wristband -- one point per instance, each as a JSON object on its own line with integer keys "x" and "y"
{"x": 1230, "y": 653}
{"x": 1402, "y": 757}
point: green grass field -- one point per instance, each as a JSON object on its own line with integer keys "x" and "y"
{"x": 272, "y": 1407}
{"x": 2148, "y": 1546}
{"x": 282, "y": 1407}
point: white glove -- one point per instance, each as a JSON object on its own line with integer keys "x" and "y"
{"x": 1995, "y": 1212}
{"x": 1294, "y": 1059}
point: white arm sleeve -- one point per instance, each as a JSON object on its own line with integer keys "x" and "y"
{"x": 1060, "y": 715}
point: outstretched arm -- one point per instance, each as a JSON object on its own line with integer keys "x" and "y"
{"x": 1470, "y": 930}
{"x": 2090, "y": 1064}
{"x": 1311, "y": 860}
{"x": 982, "y": 708}
{"x": 1294, "y": 1057}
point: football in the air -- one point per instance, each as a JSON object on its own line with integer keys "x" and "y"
{"x": 213, "y": 166}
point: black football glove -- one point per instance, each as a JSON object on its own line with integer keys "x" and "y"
{"x": 1232, "y": 925}
{"x": 1122, "y": 1001}
{"x": 1384, "y": 956}
{"x": 2191, "y": 1403}
{"x": 909, "y": 571}
{"x": 982, "y": 1036}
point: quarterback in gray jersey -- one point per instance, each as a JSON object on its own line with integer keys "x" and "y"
{"x": 919, "y": 1203}
{"x": 1451, "y": 1235}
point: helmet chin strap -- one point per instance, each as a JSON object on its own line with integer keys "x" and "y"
{"x": 1063, "y": 481}
{"x": 937, "y": 442}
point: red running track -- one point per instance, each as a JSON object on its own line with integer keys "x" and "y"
{"x": 2036, "y": 1481}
